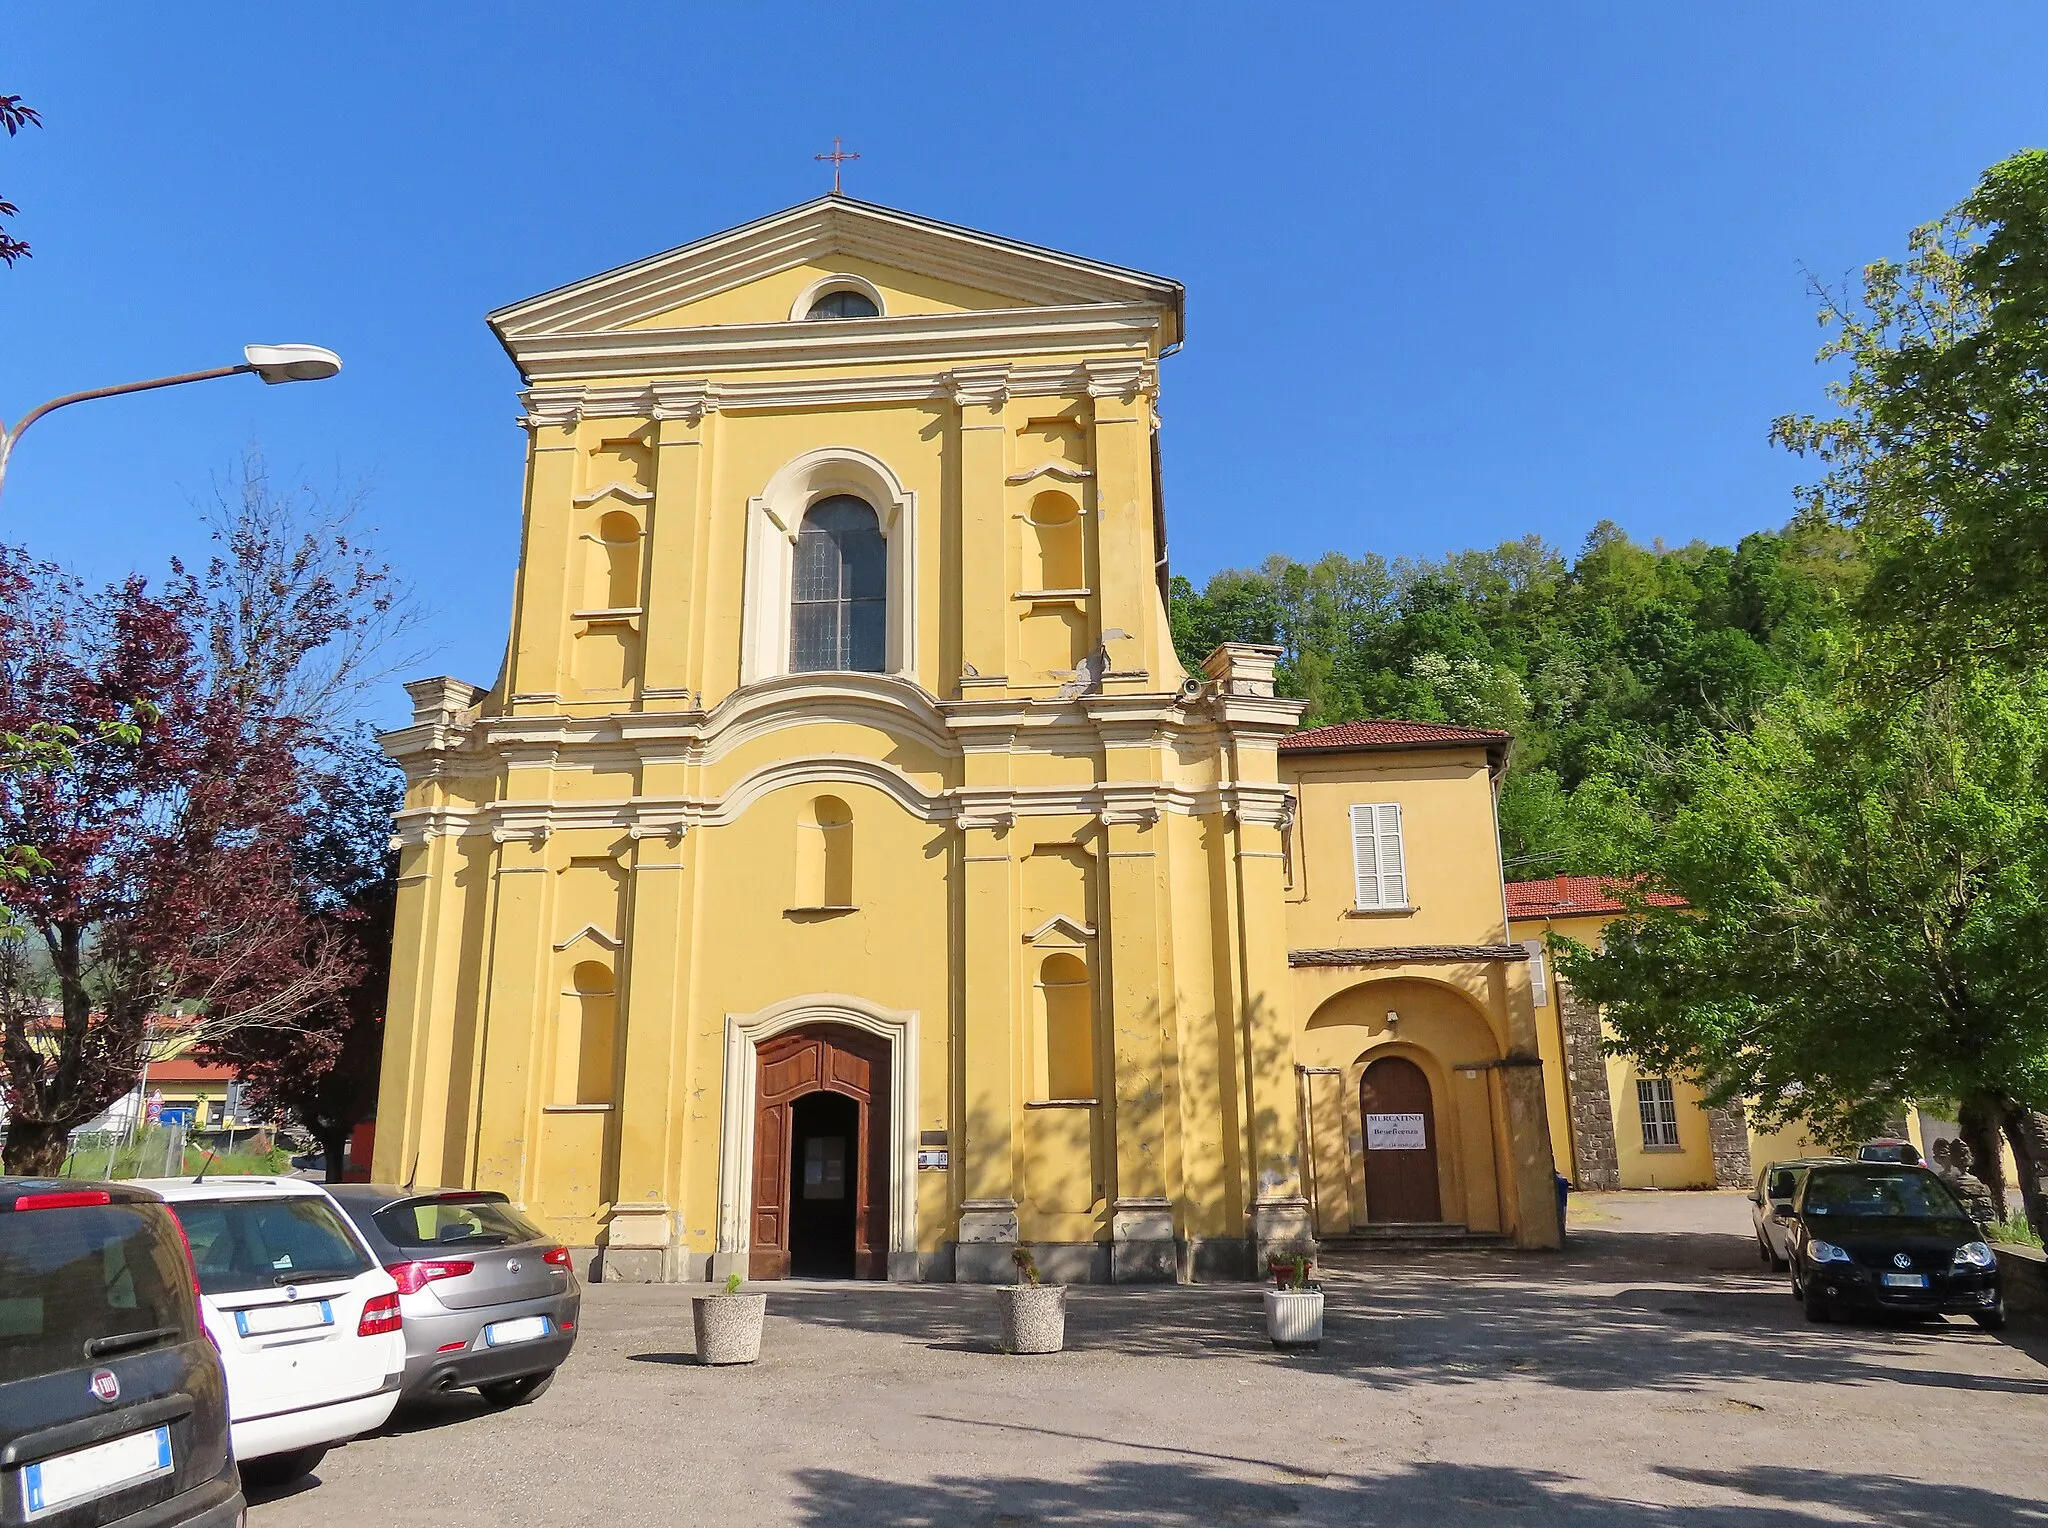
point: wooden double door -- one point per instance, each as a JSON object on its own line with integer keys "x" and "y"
{"x": 821, "y": 1156}
{"x": 1400, "y": 1143}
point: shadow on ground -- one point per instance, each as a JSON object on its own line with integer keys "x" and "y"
{"x": 1615, "y": 1312}
{"x": 1185, "y": 1490}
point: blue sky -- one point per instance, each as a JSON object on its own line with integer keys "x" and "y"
{"x": 1455, "y": 273}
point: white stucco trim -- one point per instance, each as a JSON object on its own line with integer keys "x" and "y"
{"x": 743, "y": 1034}
{"x": 843, "y": 282}
{"x": 773, "y": 518}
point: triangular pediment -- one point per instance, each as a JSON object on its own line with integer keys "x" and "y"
{"x": 739, "y": 277}
{"x": 592, "y": 933}
{"x": 1059, "y": 932}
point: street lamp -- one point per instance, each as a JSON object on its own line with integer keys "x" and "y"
{"x": 273, "y": 363}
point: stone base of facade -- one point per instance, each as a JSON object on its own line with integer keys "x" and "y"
{"x": 1142, "y": 1248}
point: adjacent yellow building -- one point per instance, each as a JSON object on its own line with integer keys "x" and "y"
{"x": 844, "y": 877}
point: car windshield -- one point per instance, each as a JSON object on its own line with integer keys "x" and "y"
{"x": 1877, "y": 1194}
{"x": 469, "y": 1221}
{"x": 112, "y": 1275}
{"x": 245, "y": 1244}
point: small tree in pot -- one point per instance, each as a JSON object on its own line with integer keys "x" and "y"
{"x": 728, "y": 1324}
{"x": 1034, "y": 1312}
{"x": 1294, "y": 1312}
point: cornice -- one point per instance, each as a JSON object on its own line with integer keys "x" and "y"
{"x": 693, "y": 397}
{"x": 967, "y": 336}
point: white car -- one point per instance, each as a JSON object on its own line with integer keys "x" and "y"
{"x": 306, "y": 1319}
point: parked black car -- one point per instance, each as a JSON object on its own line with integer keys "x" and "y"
{"x": 1888, "y": 1237}
{"x": 113, "y": 1405}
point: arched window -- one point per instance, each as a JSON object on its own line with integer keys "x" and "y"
{"x": 839, "y": 590}
{"x": 844, "y": 304}
{"x": 1066, "y": 1016}
{"x": 824, "y": 856}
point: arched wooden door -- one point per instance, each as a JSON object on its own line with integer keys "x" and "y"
{"x": 820, "y": 1058}
{"x": 1400, "y": 1143}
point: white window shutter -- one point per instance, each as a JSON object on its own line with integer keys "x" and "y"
{"x": 1393, "y": 863}
{"x": 1365, "y": 858}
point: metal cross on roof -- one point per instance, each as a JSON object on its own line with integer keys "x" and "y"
{"x": 838, "y": 156}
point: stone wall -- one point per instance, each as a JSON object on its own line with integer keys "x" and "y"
{"x": 1598, "y": 1164}
{"x": 1728, "y": 1134}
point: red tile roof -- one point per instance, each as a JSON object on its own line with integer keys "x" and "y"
{"x": 1348, "y": 735}
{"x": 1569, "y": 896}
{"x": 181, "y": 1069}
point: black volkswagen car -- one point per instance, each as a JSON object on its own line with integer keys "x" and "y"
{"x": 113, "y": 1406}
{"x": 1880, "y": 1236}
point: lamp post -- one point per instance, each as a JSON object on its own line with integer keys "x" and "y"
{"x": 273, "y": 363}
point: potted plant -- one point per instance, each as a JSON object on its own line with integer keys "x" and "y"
{"x": 1034, "y": 1312}
{"x": 1294, "y": 1311}
{"x": 728, "y": 1324}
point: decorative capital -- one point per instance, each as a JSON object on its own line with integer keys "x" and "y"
{"x": 552, "y": 407}
{"x": 987, "y": 386}
{"x": 688, "y": 400}
{"x": 1123, "y": 378}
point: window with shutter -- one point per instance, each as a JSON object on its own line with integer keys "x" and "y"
{"x": 1379, "y": 865}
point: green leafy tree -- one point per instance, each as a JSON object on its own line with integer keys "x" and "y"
{"x": 1938, "y": 450}
{"x": 1868, "y": 916}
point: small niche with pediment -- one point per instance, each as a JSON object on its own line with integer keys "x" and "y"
{"x": 611, "y": 563}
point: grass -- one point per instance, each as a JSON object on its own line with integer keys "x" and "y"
{"x": 2014, "y": 1231}
{"x": 153, "y": 1155}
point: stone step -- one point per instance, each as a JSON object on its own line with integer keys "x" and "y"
{"x": 1417, "y": 1237}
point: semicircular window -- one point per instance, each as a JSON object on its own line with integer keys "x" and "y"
{"x": 845, "y": 303}
{"x": 839, "y": 597}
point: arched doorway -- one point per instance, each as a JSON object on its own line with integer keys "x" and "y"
{"x": 1400, "y": 1143}
{"x": 821, "y": 1133}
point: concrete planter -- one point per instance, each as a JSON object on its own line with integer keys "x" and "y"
{"x": 1294, "y": 1317}
{"x": 1034, "y": 1317}
{"x": 728, "y": 1327}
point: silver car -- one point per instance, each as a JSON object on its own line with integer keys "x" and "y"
{"x": 487, "y": 1298}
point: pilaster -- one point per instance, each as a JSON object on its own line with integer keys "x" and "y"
{"x": 413, "y": 1100}
{"x": 980, "y": 394}
{"x": 642, "y": 1239}
{"x": 989, "y": 1082}
{"x": 1141, "y": 1231}
{"x": 1123, "y": 523}
{"x": 540, "y": 619}
{"x": 516, "y": 1004}
{"x": 682, "y": 420}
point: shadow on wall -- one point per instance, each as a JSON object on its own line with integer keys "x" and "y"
{"x": 1178, "y": 1486}
{"x": 1606, "y": 1316}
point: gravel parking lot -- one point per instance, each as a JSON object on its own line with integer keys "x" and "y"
{"x": 1653, "y": 1374}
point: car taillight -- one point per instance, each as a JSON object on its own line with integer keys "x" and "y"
{"x": 557, "y": 1256}
{"x": 380, "y": 1315}
{"x": 191, "y": 1262}
{"x": 413, "y": 1277}
{"x": 72, "y": 1199}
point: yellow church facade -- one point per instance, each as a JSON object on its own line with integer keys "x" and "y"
{"x": 843, "y": 875}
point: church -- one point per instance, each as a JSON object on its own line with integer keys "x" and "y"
{"x": 843, "y": 876}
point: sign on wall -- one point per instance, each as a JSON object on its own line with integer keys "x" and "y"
{"x": 1396, "y": 1132}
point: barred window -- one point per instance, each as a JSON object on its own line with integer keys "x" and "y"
{"x": 839, "y": 590}
{"x": 844, "y": 304}
{"x": 1658, "y": 1106}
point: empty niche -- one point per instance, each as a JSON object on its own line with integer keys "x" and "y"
{"x": 1052, "y": 543}
{"x": 824, "y": 855}
{"x": 1052, "y": 440}
{"x": 1066, "y": 1029}
{"x": 586, "y": 1036}
{"x": 611, "y": 579}
{"x": 628, "y": 461}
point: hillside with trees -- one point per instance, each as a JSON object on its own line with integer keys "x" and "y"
{"x": 1604, "y": 666}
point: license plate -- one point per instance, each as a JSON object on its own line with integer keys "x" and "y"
{"x": 1905, "y": 1281}
{"x": 525, "y": 1329}
{"x": 261, "y": 1320}
{"x": 52, "y": 1484}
